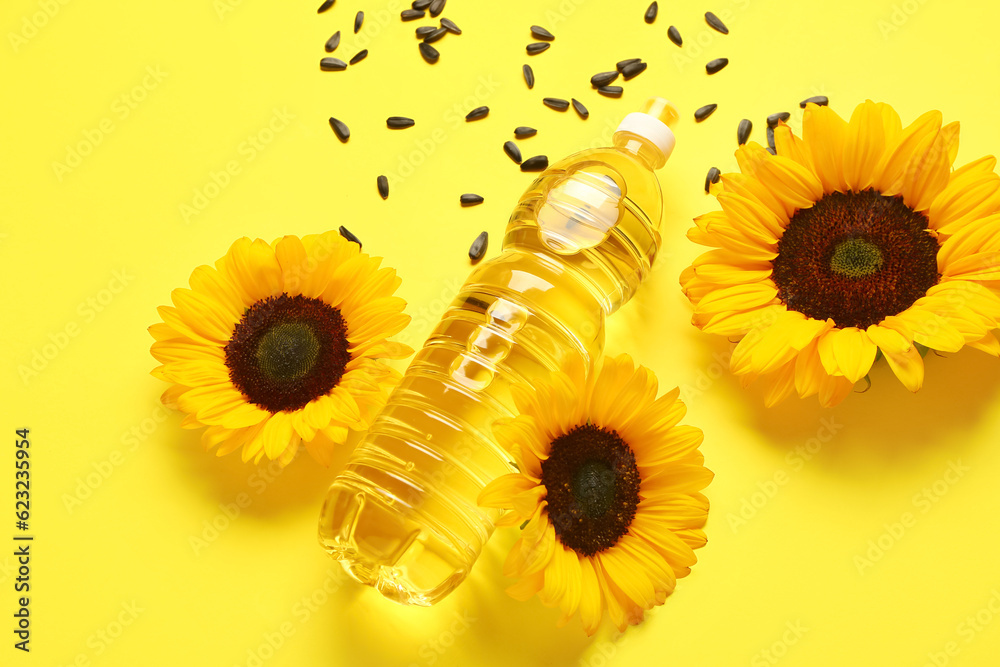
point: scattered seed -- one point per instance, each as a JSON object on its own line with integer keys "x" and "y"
{"x": 383, "y": 186}
{"x": 536, "y": 163}
{"x": 436, "y": 7}
{"x": 818, "y": 100}
{"x": 716, "y": 23}
{"x": 435, "y": 35}
{"x": 411, "y": 14}
{"x": 603, "y": 78}
{"x": 325, "y": 6}
{"x": 529, "y": 76}
{"x": 713, "y": 66}
{"x": 333, "y": 42}
{"x": 770, "y": 138}
{"x": 450, "y": 26}
{"x": 340, "y": 129}
{"x": 429, "y": 53}
{"x": 621, "y": 64}
{"x": 523, "y": 132}
{"x": 420, "y": 4}
{"x": 772, "y": 151}
{"x": 346, "y": 233}
{"x": 537, "y": 47}
{"x": 478, "y": 247}
{"x": 359, "y": 19}
{"x": 743, "y": 131}
{"x": 675, "y": 35}
{"x": 556, "y": 103}
{"x": 425, "y": 30}
{"x": 704, "y": 112}
{"x": 611, "y": 91}
{"x": 633, "y": 70}
{"x": 650, "y": 14}
{"x": 580, "y": 109}
{"x": 538, "y": 32}
{"x": 512, "y": 151}
{"x": 477, "y": 113}
{"x": 332, "y": 64}
{"x": 359, "y": 56}
{"x": 399, "y": 122}
{"x": 713, "y": 177}
{"x": 782, "y": 116}
{"x": 470, "y": 199}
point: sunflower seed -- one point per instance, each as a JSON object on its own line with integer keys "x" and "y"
{"x": 611, "y": 91}
{"x": 429, "y": 53}
{"x": 675, "y": 35}
{"x": 770, "y": 138}
{"x": 782, "y": 116}
{"x": 470, "y": 199}
{"x": 383, "y": 186}
{"x": 436, "y": 7}
{"x": 325, "y": 6}
{"x": 580, "y": 109}
{"x": 743, "y": 131}
{"x": 340, "y": 129}
{"x": 633, "y": 70}
{"x": 450, "y": 26}
{"x": 716, "y": 23}
{"x": 650, "y": 14}
{"x": 359, "y": 56}
{"x": 818, "y": 100}
{"x": 537, "y": 47}
{"x": 477, "y": 113}
{"x": 332, "y": 64}
{"x": 529, "y": 76}
{"x": 556, "y": 103}
{"x": 346, "y": 233}
{"x": 399, "y": 122}
{"x": 478, "y": 247}
{"x": 512, "y": 151}
{"x": 772, "y": 151}
{"x": 538, "y": 32}
{"x": 704, "y": 112}
{"x": 603, "y": 79}
{"x": 359, "y": 19}
{"x": 523, "y": 132}
{"x": 420, "y": 4}
{"x": 713, "y": 66}
{"x": 333, "y": 42}
{"x": 621, "y": 64}
{"x": 536, "y": 163}
{"x": 411, "y": 14}
{"x": 713, "y": 177}
{"x": 437, "y": 34}
{"x": 425, "y": 30}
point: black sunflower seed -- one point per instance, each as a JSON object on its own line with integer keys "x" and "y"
{"x": 359, "y": 19}
{"x": 675, "y": 35}
{"x": 512, "y": 151}
{"x": 420, "y": 4}
{"x": 435, "y": 35}
{"x": 325, "y": 6}
{"x": 621, "y": 64}
{"x": 346, "y": 233}
{"x": 470, "y": 199}
{"x": 782, "y": 116}
{"x": 818, "y": 100}
{"x": 556, "y": 103}
{"x": 713, "y": 66}
{"x": 399, "y": 122}
{"x": 429, "y": 53}
{"x": 425, "y": 30}
{"x": 713, "y": 177}
{"x": 611, "y": 91}
{"x": 603, "y": 78}
{"x": 580, "y": 109}
{"x": 332, "y": 64}
{"x": 633, "y": 70}
{"x": 411, "y": 14}
{"x": 436, "y": 7}
{"x": 716, "y": 23}
{"x": 477, "y": 113}
{"x": 359, "y": 56}
{"x": 450, "y": 26}
{"x": 538, "y": 32}
{"x": 536, "y": 163}
{"x": 770, "y": 138}
{"x": 650, "y": 14}
{"x": 537, "y": 47}
{"x": 478, "y": 247}
{"x": 704, "y": 112}
{"x": 743, "y": 131}
{"x": 333, "y": 42}
{"x": 529, "y": 76}
{"x": 340, "y": 129}
{"x": 383, "y": 186}
{"x": 523, "y": 132}
{"x": 772, "y": 151}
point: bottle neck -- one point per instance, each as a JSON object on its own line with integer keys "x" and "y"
{"x": 641, "y": 147}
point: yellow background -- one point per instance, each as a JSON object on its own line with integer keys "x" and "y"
{"x": 226, "y": 71}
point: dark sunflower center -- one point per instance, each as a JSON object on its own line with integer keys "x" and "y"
{"x": 856, "y": 257}
{"x": 286, "y": 351}
{"x": 592, "y": 488}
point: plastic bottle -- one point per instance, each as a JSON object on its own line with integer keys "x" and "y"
{"x": 402, "y": 516}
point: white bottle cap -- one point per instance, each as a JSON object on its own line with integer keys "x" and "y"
{"x": 651, "y": 129}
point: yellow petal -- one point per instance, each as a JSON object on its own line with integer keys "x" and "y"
{"x": 591, "y": 604}
{"x": 781, "y": 384}
{"x": 825, "y": 133}
{"x": 908, "y": 367}
{"x": 738, "y": 298}
{"x": 864, "y": 146}
{"x": 501, "y": 491}
{"x": 891, "y": 173}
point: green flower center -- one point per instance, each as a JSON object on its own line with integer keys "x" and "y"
{"x": 287, "y": 351}
{"x": 855, "y": 258}
{"x": 594, "y": 488}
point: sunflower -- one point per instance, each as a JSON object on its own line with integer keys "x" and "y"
{"x": 854, "y": 243}
{"x": 280, "y": 345}
{"x": 608, "y": 493}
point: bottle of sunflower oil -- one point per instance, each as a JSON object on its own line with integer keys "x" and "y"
{"x": 402, "y": 516}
